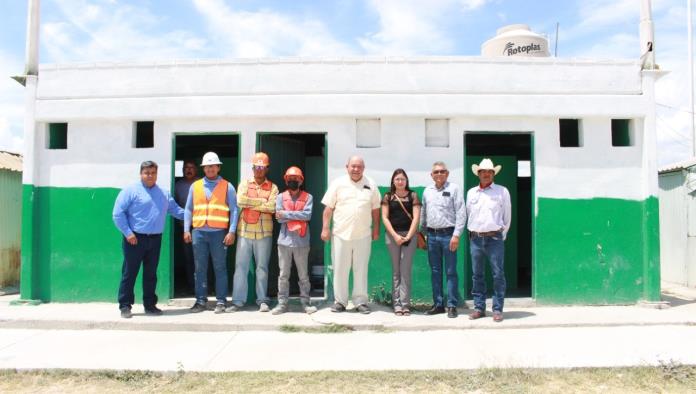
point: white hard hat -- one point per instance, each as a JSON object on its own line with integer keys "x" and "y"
{"x": 210, "y": 158}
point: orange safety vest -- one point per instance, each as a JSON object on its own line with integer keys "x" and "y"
{"x": 289, "y": 205}
{"x": 214, "y": 212}
{"x": 251, "y": 216}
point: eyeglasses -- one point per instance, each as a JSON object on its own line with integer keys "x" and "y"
{"x": 438, "y": 172}
{"x": 258, "y": 168}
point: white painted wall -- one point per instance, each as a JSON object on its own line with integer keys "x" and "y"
{"x": 526, "y": 95}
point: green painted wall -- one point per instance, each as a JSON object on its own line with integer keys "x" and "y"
{"x": 596, "y": 251}
{"x": 72, "y": 250}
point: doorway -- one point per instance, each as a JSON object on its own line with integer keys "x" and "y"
{"x": 308, "y": 152}
{"x": 514, "y": 153}
{"x": 192, "y": 146}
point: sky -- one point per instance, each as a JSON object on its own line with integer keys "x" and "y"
{"x": 85, "y": 31}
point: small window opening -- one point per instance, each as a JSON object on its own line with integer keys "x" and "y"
{"x": 368, "y": 133}
{"x": 437, "y": 133}
{"x": 569, "y": 133}
{"x": 144, "y": 134}
{"x": 57, "y": 136}
{"x": 621, "y": 132}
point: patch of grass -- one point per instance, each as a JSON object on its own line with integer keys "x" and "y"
{"x": 331, "y": 328}
{"x": 679, "y": 379}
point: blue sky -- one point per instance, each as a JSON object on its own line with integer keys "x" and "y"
{"x": 116, "y": 30}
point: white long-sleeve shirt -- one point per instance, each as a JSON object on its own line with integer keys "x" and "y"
{"x": 489, "y": 209}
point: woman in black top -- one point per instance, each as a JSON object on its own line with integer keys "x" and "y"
{"x": 401, "y": 215}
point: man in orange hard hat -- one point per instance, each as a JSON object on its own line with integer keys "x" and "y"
{"x": 256, "y": 198}
{"x": 293, "y": 212}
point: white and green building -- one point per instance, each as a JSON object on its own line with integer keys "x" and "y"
{"x": 576, "y": 139}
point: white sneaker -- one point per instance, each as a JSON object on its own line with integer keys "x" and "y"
{"x": 309, "y": 309}
{"x": 263, "y": 307}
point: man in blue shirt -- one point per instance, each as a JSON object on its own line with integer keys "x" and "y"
{"x": 139, "y": 214}
{"x": 443, "y": 217}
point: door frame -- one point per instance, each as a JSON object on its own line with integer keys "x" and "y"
{"x": 172, "y": 180}
{"x": 533, "y": 201}
{"x": 328, "y": 290}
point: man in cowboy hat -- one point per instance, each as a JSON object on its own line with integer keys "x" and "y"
{"x": 211, "y": 210}
{"x": 489, "y": 210}
{"x": 443, "y": 217}
{"x": 257, "y": 198}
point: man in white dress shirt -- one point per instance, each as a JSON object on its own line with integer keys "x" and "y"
{"x": 489, "y": 211}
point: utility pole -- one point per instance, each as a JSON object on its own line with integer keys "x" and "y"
{"x": 691, "y": 75}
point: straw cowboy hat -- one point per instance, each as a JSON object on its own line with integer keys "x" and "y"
{"x": 486, "y": 164}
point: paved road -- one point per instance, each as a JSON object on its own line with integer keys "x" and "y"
{"x": 360, "y": 350}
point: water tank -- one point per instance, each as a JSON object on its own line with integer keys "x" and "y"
{"x": 516, "y": 40}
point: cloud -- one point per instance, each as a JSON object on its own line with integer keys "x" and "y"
{"x": 108, "y": 30}
{"x": 266, "y": 33}
{"x": 407, "y": 27}
{"x": 11, "y": 104}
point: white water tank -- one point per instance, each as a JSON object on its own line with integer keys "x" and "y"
{"x": 516, "y": 40}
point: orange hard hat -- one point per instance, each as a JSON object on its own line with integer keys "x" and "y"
{"x": 260, "y": 159}
{"x": 293, "y": 171}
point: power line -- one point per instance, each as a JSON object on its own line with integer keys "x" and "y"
{"x": 676, "y": 108}
{"x": 681, "y": 138}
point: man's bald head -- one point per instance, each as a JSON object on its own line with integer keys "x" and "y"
{"x": 355, "y": 168}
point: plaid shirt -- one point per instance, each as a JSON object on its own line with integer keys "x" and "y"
{"x": 264, "y": 227}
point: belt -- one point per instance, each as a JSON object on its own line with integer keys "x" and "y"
{"x": 473, "y": 234}
{"x": 444, "y": 230}
{"x": 147, "y": 235}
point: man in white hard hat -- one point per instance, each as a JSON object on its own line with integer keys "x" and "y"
{"x": 257, "y": 198}
{"x": 489, "y": 210}
{"x": 293, "y": 212}
{"x": 211, "y": 209}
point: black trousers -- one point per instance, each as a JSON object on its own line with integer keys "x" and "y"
{"x": 147, "y": 253}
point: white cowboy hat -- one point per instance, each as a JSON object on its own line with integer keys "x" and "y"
{"x": 486, "y": 164}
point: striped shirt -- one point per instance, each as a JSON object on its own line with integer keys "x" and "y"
{"x": 264, "y": 226}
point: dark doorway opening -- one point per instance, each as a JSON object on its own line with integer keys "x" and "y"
{"x": 308, "y": 152}
{"x": 192, "y": 147}
{"x": 514, "y": 153}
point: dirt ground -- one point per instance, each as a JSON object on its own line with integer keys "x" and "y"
{"x": 669, "y": 378}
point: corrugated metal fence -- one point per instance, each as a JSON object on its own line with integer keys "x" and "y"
{"x": 10, "y": 226}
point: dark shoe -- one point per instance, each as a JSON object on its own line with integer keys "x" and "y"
{"x": 364, "y": 309}
{"x": 197, "y": 308}
{"x": 126, "y": 313}
{"x": 451, "y": 312}
{"x": 338, "y": 308}
{"x": 435, "y": 310}
{"x": 476, "y": 314}
{"x": 497, "y": 316}
{"x": 153, "y": 311}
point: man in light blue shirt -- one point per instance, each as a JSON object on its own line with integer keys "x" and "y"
{"x": 293, "y": 212}
{"x": 139, "y": 214}
{"x": 443, "y": 218}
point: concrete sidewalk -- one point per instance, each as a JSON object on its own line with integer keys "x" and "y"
{"x": 93, "y": 336}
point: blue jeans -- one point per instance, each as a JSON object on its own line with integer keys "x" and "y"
{"x": 209, "y": 244}
{"x": 260, "y": 249}
{"x": 492, "y": 248}
{"x": 438, "y": 249}
{"x": 146, "y": 252}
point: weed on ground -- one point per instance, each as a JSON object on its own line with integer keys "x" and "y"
{"x": 669, "y": 377}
